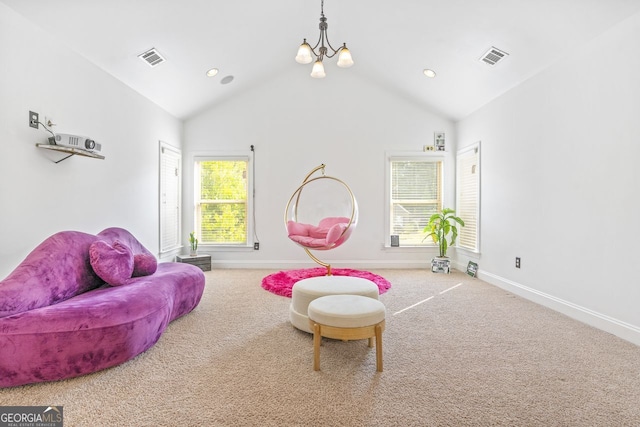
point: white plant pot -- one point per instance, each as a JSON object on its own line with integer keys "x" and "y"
{"x": 440, "y": 265}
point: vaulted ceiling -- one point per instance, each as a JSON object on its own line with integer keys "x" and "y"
{"x": 392, "y": 42}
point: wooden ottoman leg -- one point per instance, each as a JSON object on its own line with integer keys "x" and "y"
{"x": 379, "y": 348}
{"x": 316, "y": 346}
{"x": 346, "y": 317}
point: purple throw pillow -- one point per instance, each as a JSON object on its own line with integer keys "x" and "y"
{"x": 144, "y": 265}
{"x": 112, "y": 263}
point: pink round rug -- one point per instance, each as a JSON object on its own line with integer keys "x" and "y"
{"x": 280, "y": 283}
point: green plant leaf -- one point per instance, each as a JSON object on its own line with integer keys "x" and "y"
{"x": 440, "y": 226}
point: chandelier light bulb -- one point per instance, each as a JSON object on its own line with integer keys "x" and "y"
{"x": 344, "y": 59}
{"x": 318, "y": 70}
{"x": 304, "y": 53}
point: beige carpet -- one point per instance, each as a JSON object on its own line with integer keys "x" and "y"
{"x": 472, "y": 356}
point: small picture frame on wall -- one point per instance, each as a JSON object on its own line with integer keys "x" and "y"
{"x": 472, "y": 269}
{"x": 438, "y": 141}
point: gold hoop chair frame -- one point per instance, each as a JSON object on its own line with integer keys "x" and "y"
{"x": 296, "y": 195}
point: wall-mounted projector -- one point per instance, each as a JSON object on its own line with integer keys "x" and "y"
{"x": 75, "y": 141}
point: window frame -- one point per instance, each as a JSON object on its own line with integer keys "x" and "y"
{"x": 475, "y": 149}
{"x": 250, "y": 227}
{"x": 165, "y": 149}
{"x": 409, "y": 156}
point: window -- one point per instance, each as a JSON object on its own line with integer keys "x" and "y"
{"x": 222, "y": 203}
{"x": 415, "y": 194}
{"x": 170, "y": 197}
{"x": 468, "y": 196}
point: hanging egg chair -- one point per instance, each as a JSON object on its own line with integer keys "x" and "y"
{"x": 321, "y": 214}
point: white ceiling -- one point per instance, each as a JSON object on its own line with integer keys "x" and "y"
{"x": 391, "y": 42}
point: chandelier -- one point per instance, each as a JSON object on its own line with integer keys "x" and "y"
{"x": 305, "y": 50}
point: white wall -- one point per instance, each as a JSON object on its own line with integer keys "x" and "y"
{"x": 560, "y": 184}
{"x": 296, "y": 123}
{"x": 39, "y": 197}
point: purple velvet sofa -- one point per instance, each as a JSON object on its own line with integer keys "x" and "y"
{"x": 60, "y": 319}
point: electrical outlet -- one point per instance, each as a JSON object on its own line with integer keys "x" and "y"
{"x": 517, "y": 262}
{"x": 256, "y": 246}
{"x": 34, "y": 118}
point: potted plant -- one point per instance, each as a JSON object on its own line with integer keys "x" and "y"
{"x": 194, "y": 243}
{"x": 439, "y": 227}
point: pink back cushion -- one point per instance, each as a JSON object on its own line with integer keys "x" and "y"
{"x": 335, "y": 232}
{"x": 330, "y": 221}
{"x": 297, "y": 228}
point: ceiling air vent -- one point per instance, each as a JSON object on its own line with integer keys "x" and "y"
{"x": 152, "y": 57}
{"x": 493, "y": 56}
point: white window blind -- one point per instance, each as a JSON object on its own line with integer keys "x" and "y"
{"x": 415, "y": 194}
{"x": 170, "y": 197}
{"x": 222, "y": 203}
{"x": 468, "y": 196}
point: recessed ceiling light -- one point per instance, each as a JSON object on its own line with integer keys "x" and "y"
{"x": 226, "y": 80}
{"x": 429, "y": 73}
{"x": 212, "y": 72}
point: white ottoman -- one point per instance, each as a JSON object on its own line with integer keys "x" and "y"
{"x": 346, "y": 317}
{"x": 306, "y": 290}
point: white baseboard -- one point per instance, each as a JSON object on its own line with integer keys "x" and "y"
{"x": 600, "y": 321}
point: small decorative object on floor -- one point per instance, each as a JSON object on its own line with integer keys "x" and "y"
{"x": 194, "y": 244}
{"x": 472, "y": 269}
{"x": 440, "y": 265}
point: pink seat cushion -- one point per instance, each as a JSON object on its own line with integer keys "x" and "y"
{"x": 309, "y": 242}
{"x": 324, "y": 235}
